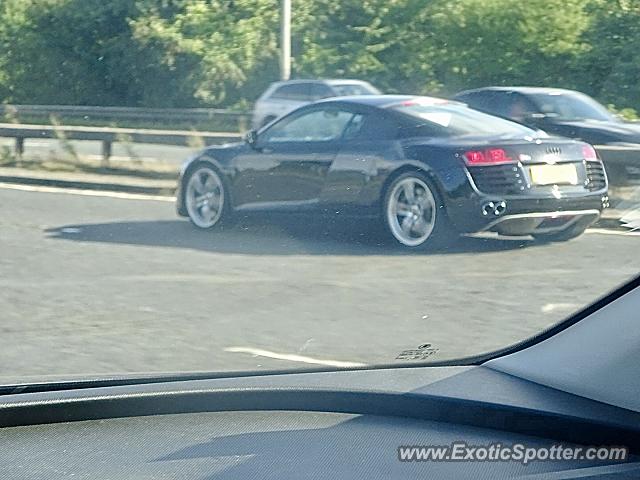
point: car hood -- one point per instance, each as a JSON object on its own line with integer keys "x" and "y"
{"x": 604, "y": 132}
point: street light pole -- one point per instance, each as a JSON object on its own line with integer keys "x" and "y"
{"x": 285, "y": 40}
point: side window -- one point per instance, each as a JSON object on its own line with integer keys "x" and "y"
{"x": 319, "y": 90}
{"x": 512, "y": 105}
{"x": 478, "y": 100}
{"x": 322, "y": 125}
{"x": 293, "y": 91}
{"x": 370, "y": 127}
{"x": 353, "y": 129}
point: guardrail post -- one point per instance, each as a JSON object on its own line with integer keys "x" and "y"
{"x": 19, "y": 147}
{"x": 106, "y": 152}
{"x": 242, "y": 123}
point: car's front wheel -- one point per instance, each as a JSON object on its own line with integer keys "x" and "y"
{"x": 413, "y": 213}
{"x": 205, "y": 198}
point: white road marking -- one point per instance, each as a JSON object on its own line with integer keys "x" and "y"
{"x": 292, "y": 357}
{"x": 88, "y": 193}
{"x": 120, "y": 158}
{"x": 550, "y": 307}
{"x": 604, "y": 231}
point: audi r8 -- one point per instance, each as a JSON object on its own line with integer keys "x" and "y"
{"x": 429, "y": 169}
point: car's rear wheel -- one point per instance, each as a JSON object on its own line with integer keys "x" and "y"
{"x": 561, "y": 236}
{"x": 413, "y": 213}
{"x": 205, "y": 198}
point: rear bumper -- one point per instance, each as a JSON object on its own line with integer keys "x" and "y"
{"x": 542, "y": 222}
{"x": 524, "y": 215}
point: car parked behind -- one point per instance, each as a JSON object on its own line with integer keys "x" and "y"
{"x": 566, "y": 113}
{"x": 283, "y": 97}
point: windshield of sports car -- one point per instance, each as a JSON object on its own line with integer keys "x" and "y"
{"x": 571, "y": 107}
{"x": 272, "y": 185}
{"x": 348, "y": 89}
{"x": 451, "y": 119}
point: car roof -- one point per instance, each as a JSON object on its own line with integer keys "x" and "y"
{"x": 523, "y": 90}
{"x": 386, "y": 101}
{"x": 326, "y": 81}
{"x": 344, "y": 81}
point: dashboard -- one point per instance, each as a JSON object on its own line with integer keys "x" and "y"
{"x": 338, "y": 425}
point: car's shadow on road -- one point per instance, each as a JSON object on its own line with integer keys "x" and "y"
{"x": 273, "y": 236}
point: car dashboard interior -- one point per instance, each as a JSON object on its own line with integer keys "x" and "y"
{"x": 347, "y": 423}
{"x": 338, "y": 425}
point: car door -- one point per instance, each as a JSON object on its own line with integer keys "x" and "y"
{"x": 288, "y": 164}
{"x": 368, "y": 146}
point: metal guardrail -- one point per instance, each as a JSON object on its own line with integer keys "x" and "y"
{"x": 622, "y": 163}
{"x": 108, "y": 136}
{"x": 152, "y": 115}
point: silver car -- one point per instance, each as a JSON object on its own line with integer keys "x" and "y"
{"x": 282, "y": 97}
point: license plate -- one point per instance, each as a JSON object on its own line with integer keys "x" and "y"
{"x": 554, "y": 174}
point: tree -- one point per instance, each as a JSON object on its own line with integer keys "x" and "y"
{"x": 611, "y": 67}
{"x": 187, "y": 53}
{"x": 211, "y": 50}
{"x": 68, "y": 51}
{"x": 503, "y": 42}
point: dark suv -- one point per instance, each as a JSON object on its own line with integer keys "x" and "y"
{"x": 566, "y": 113}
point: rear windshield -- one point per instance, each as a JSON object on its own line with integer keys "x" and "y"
{"x": 453, "y": 120}
{"x": 571, "y": 107}
{"x": 348, "y": 89}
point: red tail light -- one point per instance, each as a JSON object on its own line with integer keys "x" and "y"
{"x": 589, "y": 153}
{"x": 490, "y": 156}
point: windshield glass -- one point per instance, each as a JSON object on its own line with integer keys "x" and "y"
{"x": 215, "y": 186}
{"x": 348, "y": 89}
{"x": 571, "y": 107}
{"x": 451, "y": 120}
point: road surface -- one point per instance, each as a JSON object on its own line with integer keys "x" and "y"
{"x": 92, "y": 284}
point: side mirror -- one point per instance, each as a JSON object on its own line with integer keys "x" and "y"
{"x": 251, "y": 137}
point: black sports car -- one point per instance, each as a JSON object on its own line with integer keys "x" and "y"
{"x": 428, "y": 168}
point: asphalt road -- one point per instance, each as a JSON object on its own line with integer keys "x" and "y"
{"x": 97, "y": 285}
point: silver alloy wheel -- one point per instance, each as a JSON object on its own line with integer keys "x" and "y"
{"x": 204, "y": 197}
{"x": 411, "y": 211}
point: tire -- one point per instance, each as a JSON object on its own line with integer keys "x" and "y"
{"x": 563, "y": 236}
{"x": 205, "y": 199}
{"x": 413, "y": 214}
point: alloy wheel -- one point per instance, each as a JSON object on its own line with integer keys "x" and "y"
{"x": 204, "y": 197}
{"x": 411, "y": 211}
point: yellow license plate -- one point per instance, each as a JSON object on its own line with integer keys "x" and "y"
{"x": 554, "y": 174}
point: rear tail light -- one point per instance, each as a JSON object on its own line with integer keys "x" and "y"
{"x": 589, "y": 153}
{"x": 490, "y": 156}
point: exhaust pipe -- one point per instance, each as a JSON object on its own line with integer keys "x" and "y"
{"x": 494, "y": 209}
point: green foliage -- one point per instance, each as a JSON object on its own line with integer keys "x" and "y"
{"x": 214, "y": 48}
{"x": 188, "y": 53}
{"x": 611, "y": 67}
{"x": 503, "y": 42}
{"x": 67, "y": 51}
{"x": 628, "y": 114}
